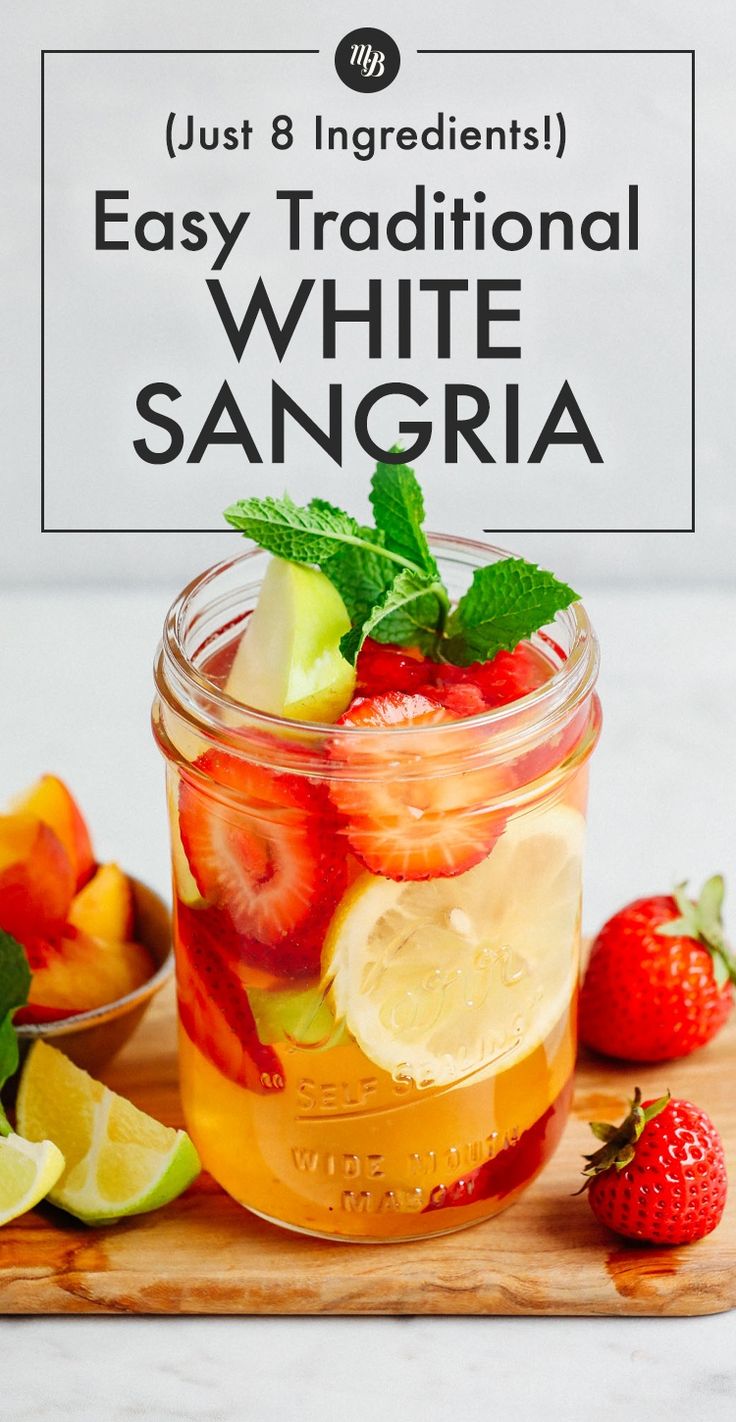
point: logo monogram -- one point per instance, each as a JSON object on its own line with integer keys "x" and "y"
{"x": 367, "y": 60}
{"x": 370, "y": 61}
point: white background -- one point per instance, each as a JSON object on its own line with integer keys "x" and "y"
{"x": 76, "y": 640}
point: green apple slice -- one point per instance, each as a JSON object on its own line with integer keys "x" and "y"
{"x": 301, "y": 1017}
{"x": 289, "y": 661}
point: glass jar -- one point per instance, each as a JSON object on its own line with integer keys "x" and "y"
{"x": 363, "y": 1055}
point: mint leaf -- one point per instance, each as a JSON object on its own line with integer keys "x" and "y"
{"x": 407, "y": 588}
{"x": 398, "y": 507}
{"x": 15, "y": 983}
{"x": 361, "y": 576}
{"x": 415, "y": 624}
{"x": 304, "y": 535}
{"x": 504, "y": 604}
{"x": 308, "y": 534}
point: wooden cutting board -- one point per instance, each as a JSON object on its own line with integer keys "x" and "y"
{"x": 546, "y": 1255}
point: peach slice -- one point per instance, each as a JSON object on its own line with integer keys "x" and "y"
{"x": 36, "y": 876}
{"x": 82, "y": 972}
{"x": 50, "y": 801}
{"x": 104, "y": 907}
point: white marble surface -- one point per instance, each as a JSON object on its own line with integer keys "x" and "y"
{"x": 76, "y": 696}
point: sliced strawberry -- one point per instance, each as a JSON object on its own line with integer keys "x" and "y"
{"x": 296, "y": 956}
{"x": 462, "y": 699}
{"x": 213, "y": 1004}
{"x": 516, "y": 1164}
{"x": 506, "y": 677}
{"x": 267, "y": 848}
{"x": 383, "y": 667}
{"x": 402, "y": 823}
{"x": 555, "y": 749}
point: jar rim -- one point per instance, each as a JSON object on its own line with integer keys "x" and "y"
{"x": 182, "y": 683}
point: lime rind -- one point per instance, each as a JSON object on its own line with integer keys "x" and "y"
{"x": 179, "y": 1169}
{"x": 120, "y": 1161}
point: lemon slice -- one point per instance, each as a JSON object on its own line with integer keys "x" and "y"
{"x": 441, "y": 978}
{"x": 28, "y": 1170}
{"x": 119, "y": 1161}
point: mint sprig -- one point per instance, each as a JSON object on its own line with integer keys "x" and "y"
{"x": 389, "y": 580}
{"x": 361, "y": 574}
{"x": 505, "y": 603}
{"x": 309, "y": 534}
{"x": 407, "y": 591}
{"x": 15, "y": 984}
{"x": 303, "y": 535}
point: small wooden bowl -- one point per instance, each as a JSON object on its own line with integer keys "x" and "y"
{"x": 92, "y": 1038}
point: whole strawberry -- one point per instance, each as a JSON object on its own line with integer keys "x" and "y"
{"x": 661, "y": 1175}
{"x": 660, "y": 978}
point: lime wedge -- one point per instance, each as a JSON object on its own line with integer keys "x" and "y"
{"x": 28, "y": 1170}
{"x": 119, "y": 1161}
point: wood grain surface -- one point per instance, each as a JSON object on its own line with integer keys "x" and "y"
{"x": 545, "y": 1255}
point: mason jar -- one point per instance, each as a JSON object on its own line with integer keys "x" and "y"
{"x": 365, "y": 1055}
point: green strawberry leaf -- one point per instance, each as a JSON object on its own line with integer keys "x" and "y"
{"x": 701, "y": 920}
{"x": 15, "y": 983}
{"x": 398, "y": 508}
{"x": 603, "y": 1131}
{"x": 710, "y": 906}
{"x": 722, "y": 972}
{"x": 408, "y": 588}
{"x": 619, "y": 1146}
{"x": 504, "y": 604}
{"x": 678, "y": 928}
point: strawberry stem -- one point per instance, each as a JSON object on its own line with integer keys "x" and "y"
{"x": 619, "y": 1142}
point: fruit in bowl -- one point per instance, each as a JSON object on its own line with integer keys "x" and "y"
{"x": 75, "y": 918}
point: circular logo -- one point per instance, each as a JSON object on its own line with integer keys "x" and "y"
{"x": 367, "y": 60}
